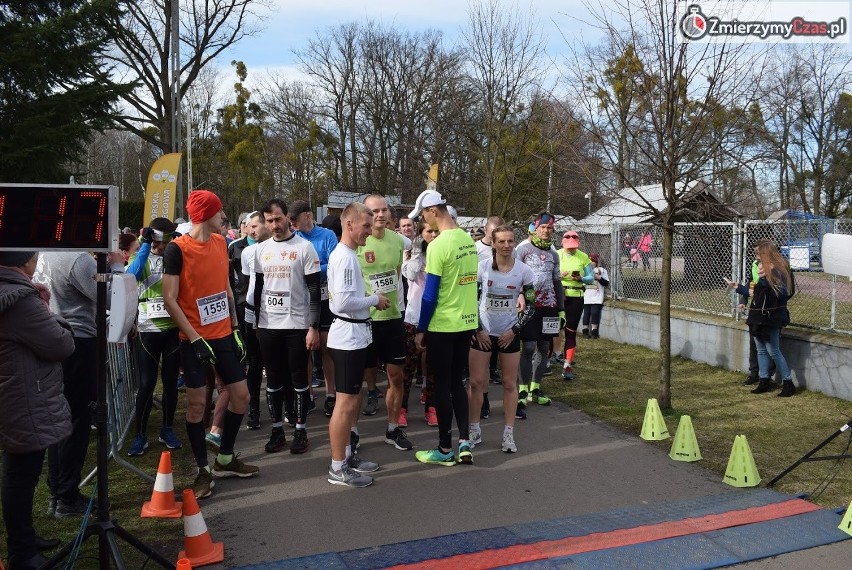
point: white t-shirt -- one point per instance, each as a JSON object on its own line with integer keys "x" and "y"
{"x": 285, "y": 302}
{"x": 247, "y": 268}
{"x": 348, "y": 298}
{"x": 498, "y": 302}
{"x": 594, "y": 294}
{"x": 484, "y": 251}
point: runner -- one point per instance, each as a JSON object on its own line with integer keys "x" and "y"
{"x": 448, "y": 318}
{"x": 287, "y": 309}
{"x": 348, "y": 342}
{"x": 258, "y": 233}
{"x": 538, "y": 332}
{"x": 158, "y": 337}
{"x": 199, "y": 299}
{"x": 484, "y": 252}
{"x": 576, "y": 271}
{"x": 501, "y": 279}
{"x": 324, "y": 242}
{"x": 381, "y": 262}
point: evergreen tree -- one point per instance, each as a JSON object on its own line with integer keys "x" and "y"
{"x": 54, "y": 91}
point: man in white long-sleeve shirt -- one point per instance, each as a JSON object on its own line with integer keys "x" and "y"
{"x": 348, "y": 341}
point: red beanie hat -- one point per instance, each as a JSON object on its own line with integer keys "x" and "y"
{"x": 202, "y": 205}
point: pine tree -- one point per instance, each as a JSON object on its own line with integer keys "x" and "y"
{"x": 54, "y": 90}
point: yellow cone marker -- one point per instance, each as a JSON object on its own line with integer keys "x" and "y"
{"x": 654, "y": 426}
{"x": 741, "y": 471}
{"x": 685, "y": 444}
{"x": 846, "y": 523}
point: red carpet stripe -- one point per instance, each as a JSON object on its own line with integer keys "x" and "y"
{"x": 547, "y": 549}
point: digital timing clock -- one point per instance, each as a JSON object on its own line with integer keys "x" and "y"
{"x": 58, "y": 216}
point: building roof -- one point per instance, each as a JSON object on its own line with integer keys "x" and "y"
{"x": 636, "y": 205}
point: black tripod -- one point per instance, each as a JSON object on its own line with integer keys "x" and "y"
{"x": 807, "y": 457}
{"x": 105, "y": 528}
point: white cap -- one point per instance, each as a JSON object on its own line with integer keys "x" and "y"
{"x": 453, "y": 213}
{"x": 427, "y": 199}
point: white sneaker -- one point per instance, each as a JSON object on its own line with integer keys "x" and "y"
{"x": 509, "y": 443}
{"x": 475, "y": 437}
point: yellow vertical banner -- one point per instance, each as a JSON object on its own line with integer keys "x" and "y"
{"x": 161, "y": 189}
{"x": 432, "y": 178}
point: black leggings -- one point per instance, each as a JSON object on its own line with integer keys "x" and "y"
{"x": 152, "y": 347}
{"x": 446, "y": 357}
{"x": 20, "y": 477}
{"x": 573, "y": 313}
{"x": 286, "y": 358}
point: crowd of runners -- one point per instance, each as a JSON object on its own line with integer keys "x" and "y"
{"x": 432, "y": 305}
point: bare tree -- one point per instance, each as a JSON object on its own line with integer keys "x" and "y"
{"x": 504, "y": 57}
{"x": 683, "y": 86}
{"x": 144, "y": 51}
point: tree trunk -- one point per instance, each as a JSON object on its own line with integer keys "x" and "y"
{"x": 665, "y": 397}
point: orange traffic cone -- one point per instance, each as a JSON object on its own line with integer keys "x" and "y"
{"x": 200, "y": 548}
{"x": 183, "y": 564}
{"x": 162, "y": 503}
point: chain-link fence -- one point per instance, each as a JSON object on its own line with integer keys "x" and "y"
{"x": 705, "y": 253}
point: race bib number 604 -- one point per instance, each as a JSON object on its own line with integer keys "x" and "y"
{"x": 213, "y": 309}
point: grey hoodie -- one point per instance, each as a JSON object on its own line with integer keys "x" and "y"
{"x": 70, "y": 277}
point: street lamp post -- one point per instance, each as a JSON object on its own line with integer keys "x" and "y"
{"x": 589, "y": 198}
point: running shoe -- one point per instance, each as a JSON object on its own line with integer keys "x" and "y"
{"x": 397, "y": 439}
{"x": 539, "y": 398}
{"x": 360, "y": 465}
{"x": 75, "y": 507}
{"x": 203, "y": 485}
{"x": 567, "y": 372}
{"x": 300, "y": 442}
{"x": 214, "y": 440}
{"x": 372, "y": 404}
{"x": 529, "y": 398}
{"x": 328, "y": 406}
{"x": 312, "y": 405}
{"x": 403, "y": 418}
{"x": 509, "y": 443}
{"x": 354, "y": 441}
{"x": 485, "y": 411}
{"x": 475, "y": 437}
{"x": 559, "y": 357}
{"x": 317, "y": 382}
{"x": 181, "y": 383}
{"x": 431, "y": 416}
{"x": 235, "y": 468}
{"x": 138, "y": 445}
{"x": 253, "y": 421}
{"x": 167, "y": 436}
{"x": 465, "y": 453}
{"x": 521, "y": 412}
{"x": 497, "y": 377}
{"x": 437, "y": 457}
{"x": 277, "y": 441}
{"x": 348, "y": 477}
{"x": 422, "y": 397}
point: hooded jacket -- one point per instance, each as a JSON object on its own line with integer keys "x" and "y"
{"x": 33, "y": 343}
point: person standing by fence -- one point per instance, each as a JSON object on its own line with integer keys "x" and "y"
{"x": 768, "y": 314}
{"x": 645, "y": 243}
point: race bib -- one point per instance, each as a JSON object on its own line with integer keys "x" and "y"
{"x": 153, "y": 308}
{"x": 324, "y": 292}
{"x": 277, "y": 302}
{"x": 550, "y": 325}
{"x": 213, "y": 309}
{"x": 499, "y": 303}
{"x": 383, "y": 282}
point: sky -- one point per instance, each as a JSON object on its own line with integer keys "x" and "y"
{"x": 291, "y": 23}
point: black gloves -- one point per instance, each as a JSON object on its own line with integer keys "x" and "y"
{"x": 147, "y": 235}
{"x": 203, "y": 351}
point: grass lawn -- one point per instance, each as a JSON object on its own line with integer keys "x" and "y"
{"x": 614, "y": 382}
